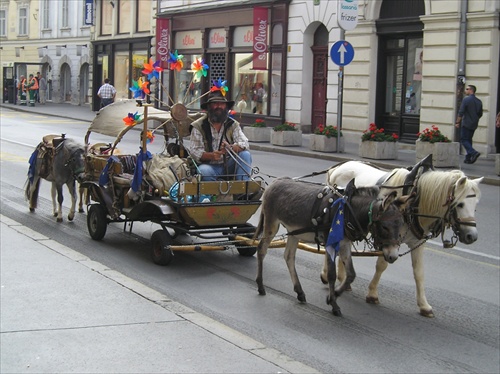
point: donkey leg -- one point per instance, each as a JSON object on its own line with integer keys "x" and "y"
{"x": 346, "y": 259}
{"x": 83, "y": 194}
{"x": 72, "y": 192}
{"x": 331, "y": 299}
{"x": 32, "y": 191}
{"x": 372, "y": 296}
{"x": 289, "y": 255}
{"x": 58, "y": 189}
{"x": 417, "y": 259}
{"x": 53, "y": 193}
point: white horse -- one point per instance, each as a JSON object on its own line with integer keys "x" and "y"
{"x": 444, "y": 199}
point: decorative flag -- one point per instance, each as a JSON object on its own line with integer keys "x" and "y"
{"x": 32, "y": 167}
{"x": 104, "y": 177}
{"x": 141, "y": 157}
{"x": 336, "y": 233}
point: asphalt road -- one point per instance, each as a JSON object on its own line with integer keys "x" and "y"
{"x": 462, "y": 285}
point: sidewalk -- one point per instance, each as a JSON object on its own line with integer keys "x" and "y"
{"x": 484, "y": 167}
{"x": 63, "y": 313}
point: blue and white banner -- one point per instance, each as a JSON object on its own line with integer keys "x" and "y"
{"x": 89, "y": 12}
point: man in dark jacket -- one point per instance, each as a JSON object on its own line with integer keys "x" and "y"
{"x": 468, "y": 119}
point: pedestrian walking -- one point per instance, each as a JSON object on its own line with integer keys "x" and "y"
{"x": 37, "y": 93}
{"x": 22, "y": 90}
{"x": 42, "y": 90}
{"x": 106, "y": 93}
{"x": 468, "y": 119}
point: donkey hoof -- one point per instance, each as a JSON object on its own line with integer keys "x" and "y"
{"x": 301, "y": 298}
{"x": 337, "y": 312}
{"x": 32, "y": 210}
{"x": 262, "y": 291}
{"x": 70, "y": 218}
{"x": 55, "y": 214}
{"x": 59, "y": 220}
{"x": 324, "y": 280}
{"x": 427, "y": 313}
{"x": 372, "y": 300}
{"x": 80, "y": 210}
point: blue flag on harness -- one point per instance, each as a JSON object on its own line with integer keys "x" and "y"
{"x": 104, "y": 177}
{"x": 32, "y": 168}
{"x": 336, "y": 233}
{"x": 137, "y": 181}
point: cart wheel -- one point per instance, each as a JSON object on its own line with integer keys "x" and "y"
{"x": 96, "y": 221}
{"x": 160, "y": 248}
{"x": 247, "y": 251}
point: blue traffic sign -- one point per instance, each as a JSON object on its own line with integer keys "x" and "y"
{"x": 342, "y": 53}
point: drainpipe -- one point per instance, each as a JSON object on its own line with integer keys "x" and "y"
{"x": 462, "y": 44}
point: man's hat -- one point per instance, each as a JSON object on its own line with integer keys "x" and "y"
{"x": 217, "y": 97}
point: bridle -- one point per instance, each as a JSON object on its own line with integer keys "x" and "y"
{"x": 70, "y": 162}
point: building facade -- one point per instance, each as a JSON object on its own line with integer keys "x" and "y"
{"x": 412, "y": 61}
{"x": 412, "y": 58}
{"x": 50, "y": 37}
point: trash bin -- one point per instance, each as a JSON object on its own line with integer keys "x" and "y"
{"x": 11, "y": 94}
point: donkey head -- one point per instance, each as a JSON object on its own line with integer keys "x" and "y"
{"x": 384, "y": 219}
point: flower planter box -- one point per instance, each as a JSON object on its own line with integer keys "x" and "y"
{"x": 443, "y": 154}
{"x": 258, "y": 134}
{"x": 322, "y": 143}
{"x": 379, "y": 150}
{"x": 286, "y": 138}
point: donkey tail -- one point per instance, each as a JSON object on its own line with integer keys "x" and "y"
{"x": 258, "y": 230}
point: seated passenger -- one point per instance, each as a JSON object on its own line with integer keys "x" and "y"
{"x": 212, "y": 138}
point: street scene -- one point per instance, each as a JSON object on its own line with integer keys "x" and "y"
{"x": 211, "y": 297}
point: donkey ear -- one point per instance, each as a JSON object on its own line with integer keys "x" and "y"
{"x": 461, "y": 182}
{"x": 388, "y": 200}
{"x": 402, "y": 202}
{"x": 478, "y": 180}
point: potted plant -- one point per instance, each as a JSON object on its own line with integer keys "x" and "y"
{"x": 445, "y": 153}
{"x": 286, "y": 135}
{"x": 258, "y": 131}
{"x": 325, "y": 139}
{"x": 376, "y": 144}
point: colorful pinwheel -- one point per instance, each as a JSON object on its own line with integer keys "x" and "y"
{"x": 132, "y": 119}
{"x": 200, "y": 68}
{"x": 220, "y": 85}
{"x": 140, "y": 88}
{"x": 175, "y": 61}
{"x": 149, "y": 137}
{"x": 152, "y": 69}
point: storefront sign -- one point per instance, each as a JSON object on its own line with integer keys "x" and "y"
{"x": 188, "y": 40}
{"x": 162, "y": 41}
{"x": 243, "y": 36}
{"x": 347, "y": 14}
{"x": 89, "y": 12}
{"x": 217, "y": 38}
{"x": 260, "y": 26}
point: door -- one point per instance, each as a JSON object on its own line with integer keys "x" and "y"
{"x": 320, "y": 70}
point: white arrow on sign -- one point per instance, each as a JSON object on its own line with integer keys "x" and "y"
{"x": 342, "y": 51}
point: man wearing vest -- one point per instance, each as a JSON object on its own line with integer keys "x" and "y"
{"x": 32, "y": 88}
{"x": 21, "y": 90}
{"x": 217, "y": 140}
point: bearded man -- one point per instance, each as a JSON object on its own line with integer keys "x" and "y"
{"x": 218, "y": 144}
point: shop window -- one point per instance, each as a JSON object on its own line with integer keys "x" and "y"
{"x": 249, "y": 89}
{"x": 121, "y": 75}
{"x": 188, "y": 87}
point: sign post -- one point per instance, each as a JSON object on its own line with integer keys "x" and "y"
{"x": 342, "y": 52}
